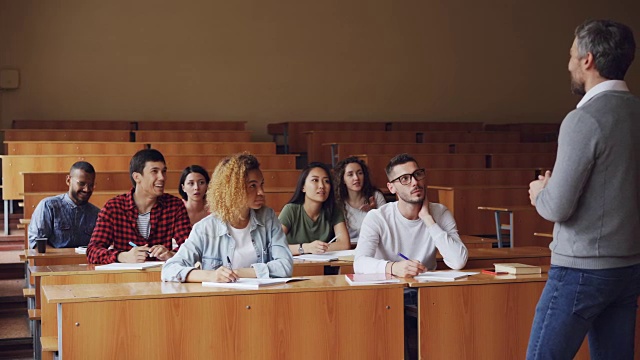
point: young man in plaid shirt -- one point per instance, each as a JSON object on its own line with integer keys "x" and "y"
{"x": 145, "y": 216}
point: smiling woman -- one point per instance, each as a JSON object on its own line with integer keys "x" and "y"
{"x": 311, "y": 218}
{"x": 241, "y": 237}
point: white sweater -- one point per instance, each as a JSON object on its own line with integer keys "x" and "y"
{"x": 385, "y": 233}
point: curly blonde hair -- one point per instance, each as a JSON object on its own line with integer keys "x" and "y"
{"x": 227, "y": 191}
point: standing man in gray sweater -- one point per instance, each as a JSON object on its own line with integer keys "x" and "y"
{"x": 594, "y": 199}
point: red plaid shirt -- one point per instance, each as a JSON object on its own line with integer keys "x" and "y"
{"x": 117, "y": 226}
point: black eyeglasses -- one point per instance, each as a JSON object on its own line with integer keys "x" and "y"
{"x": 405, "y": 179}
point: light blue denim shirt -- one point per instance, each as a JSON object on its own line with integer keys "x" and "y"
{"x": 210, "y": 243}
{"x": 64, "y": 223}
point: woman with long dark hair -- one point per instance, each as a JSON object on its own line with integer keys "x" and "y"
{"x": 355, "y": 195}
{"x": 311, "y": 220}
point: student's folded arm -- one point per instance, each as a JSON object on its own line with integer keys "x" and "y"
{"x": 447, "y": 240}
{"x": 184, "y": 261}
{"x": 98, "y": 251}
{"x": 370, "y": 232}
{"x": 280, "y": 263}
{"x": 578, "y": 147}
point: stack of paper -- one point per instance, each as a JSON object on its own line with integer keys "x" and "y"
{"x": 130, "y": 266}
{"x": 445, "y": 275}
{"x": 317, "y": 257}
{"x": 370, "y": 279}
{"x": 252, "y": 284}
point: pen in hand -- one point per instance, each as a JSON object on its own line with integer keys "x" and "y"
{"x": 229, "y": 267}
{"x": 333, "y": 240}
{"x": 134, "y": 245}
{"x": 402, "y": 256}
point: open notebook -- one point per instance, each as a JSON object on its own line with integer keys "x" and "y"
{"x": 251, "y": 284}
{"x": 328, "y": 256}
{"x": 445, "y": 275}
{"x": 370, "y": 279}
{"x": 130, "y": 266}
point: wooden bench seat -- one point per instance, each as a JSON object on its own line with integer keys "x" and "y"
{"x": 49, "y": 343}
{"x": 34, "y": 314}
{"x": 29, "y": 292}
{"x": 150, "y": 136}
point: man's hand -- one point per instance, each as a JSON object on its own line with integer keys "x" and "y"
{"x": 406, "y": 268}
{"x": 537, "y": 185}
{"x": 424, "y": 213}
{"x": 316, "y": 247}
{"x": 137, "y": 254}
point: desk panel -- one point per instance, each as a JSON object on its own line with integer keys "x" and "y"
{"x": 117, "y": 321}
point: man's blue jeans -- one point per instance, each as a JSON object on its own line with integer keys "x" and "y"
{"x": 575, "y": 302}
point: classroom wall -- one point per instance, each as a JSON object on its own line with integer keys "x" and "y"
{"x": 269, "y": 61}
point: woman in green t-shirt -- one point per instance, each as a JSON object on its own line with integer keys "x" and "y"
{"x": 311, "y": 219}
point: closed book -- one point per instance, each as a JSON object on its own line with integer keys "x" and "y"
{"x": 517, "y": 268}
{"x": 370, "y": 279}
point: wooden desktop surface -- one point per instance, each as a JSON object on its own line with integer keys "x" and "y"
{"x": 173, "y": 320}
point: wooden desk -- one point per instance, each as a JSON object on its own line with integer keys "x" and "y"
{"x": 53, "y": 256}
{"x": 523, "y": 221}
{"x": 477, "y": 242}
{"x": 77, "y": 274}
{"x": 274, "y": 322}
{"x": 86, "y": 274}
{"x": 485, "y": 258}
{"x": 483, "y": 314}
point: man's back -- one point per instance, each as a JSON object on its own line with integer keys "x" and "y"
{"x": 600, "y": 220}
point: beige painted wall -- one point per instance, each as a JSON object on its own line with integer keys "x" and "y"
{"x": 268, "y": 61}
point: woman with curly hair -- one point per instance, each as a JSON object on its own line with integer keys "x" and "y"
{"x": 241, "y": 237}
{"x": 193, "y": 188}
{"x": 355, "y": 194}
{"x": 310, "y": 219}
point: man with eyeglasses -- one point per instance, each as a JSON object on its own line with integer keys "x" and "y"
{"x": 67, "y": 220}
{"x": 411, "y": 228}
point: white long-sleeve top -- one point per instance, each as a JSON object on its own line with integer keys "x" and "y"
{"x": 386, "y": 232}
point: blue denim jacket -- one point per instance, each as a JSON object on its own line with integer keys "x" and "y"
{"x": 64, "y": 223}
{"x": 210, "y": 243}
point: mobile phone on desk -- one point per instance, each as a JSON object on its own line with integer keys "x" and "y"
{"x": 494, "y": 272}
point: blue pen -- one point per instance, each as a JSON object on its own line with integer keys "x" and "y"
{"x": 402, "y": 256}
{"x": 134, "y": 245}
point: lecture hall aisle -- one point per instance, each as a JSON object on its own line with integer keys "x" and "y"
{"x": 15, "y": 336}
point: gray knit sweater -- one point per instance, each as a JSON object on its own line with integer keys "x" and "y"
{"x": 593, "y": 195}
